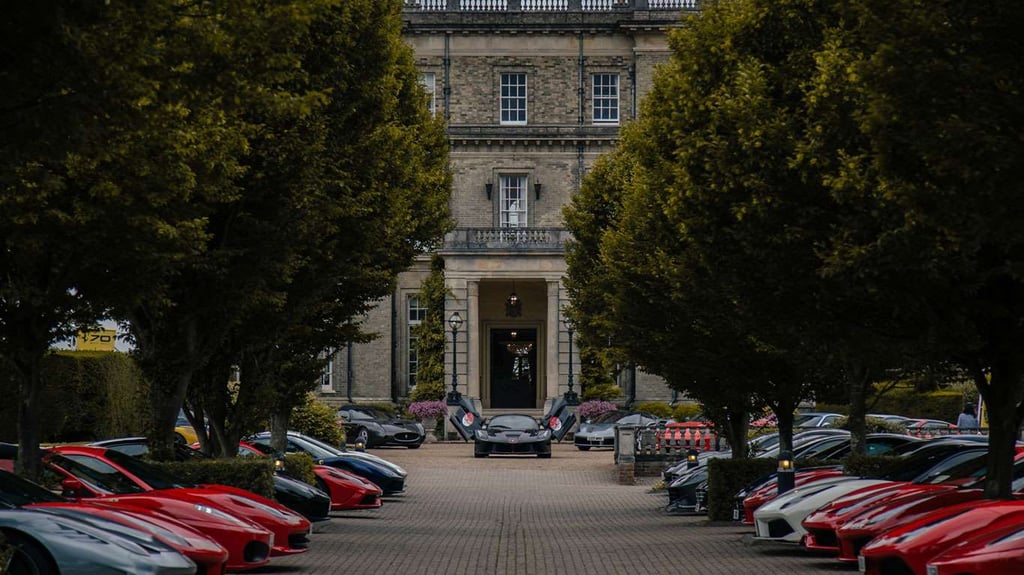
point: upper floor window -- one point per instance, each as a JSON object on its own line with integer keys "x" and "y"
{"x": 606, "y": 98}
{"x": 427, "y": 80}
{"x": 513, "y": 196}
{"x": 513, "y": 98}
{"x": 417, "y": 313}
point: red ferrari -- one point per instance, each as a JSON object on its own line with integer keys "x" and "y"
{"x": 347, "y": 490}
{"x": 899, "y": 511}
{"x": 100, "y": 472}
{"x": 991, "y": 552}
{"x": 195, "y": 534}
{"x": 939, "y": 466}
{"x": 908, "y": 548}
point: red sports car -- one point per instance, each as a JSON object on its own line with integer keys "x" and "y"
{"x": 941, "y": 465}
{"x": 991, "y": 552}
{"x": 908, "y": 548}
{"x": 192, "y": 532}
{"x": 100, "y": 472}
{"x": 347, "y": 490}
{"x": 894, "y": 513}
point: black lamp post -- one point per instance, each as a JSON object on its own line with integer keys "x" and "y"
{"x": 455, "y": 321}
{"x": 571, "y": 398}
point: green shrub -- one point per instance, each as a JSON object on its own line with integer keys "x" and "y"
{"x": 300, "y": 466}
{"x": 658, "y": 408}
{"x": 428, "y": 391}
{"x": 603, "y": 392}
{"x": 873, "y": 425}
{"x": 254, "y": 474}
{"x": 685, "y": 411}
{"x": 317, "y": 419}
{"x": 906, "y": 401}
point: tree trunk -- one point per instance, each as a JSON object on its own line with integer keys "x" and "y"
{"x": 856, "y": 385}
{"x": 30, "y": 382}
{"x": 1001, "y": 399}
{"x": 279, "y": 430}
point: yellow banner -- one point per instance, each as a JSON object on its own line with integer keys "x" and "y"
{"x": 100, "y": 340}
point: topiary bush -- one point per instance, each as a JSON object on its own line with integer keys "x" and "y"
{"x": 685, "y": 411}
{"x": 658, "y": 408}
{"x": 317, "y": 419}
{"x": 603, "y": 392}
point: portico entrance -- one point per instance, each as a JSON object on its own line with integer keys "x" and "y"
{"x": 513, "y": 368}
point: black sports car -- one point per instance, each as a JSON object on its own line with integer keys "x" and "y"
{"x": 374, "y": 428}
{"x": 512, "y": 434}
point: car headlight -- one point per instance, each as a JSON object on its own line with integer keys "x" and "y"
{"x": 544, "y": 433}
{"x": 217, "y": 513}
{"x": 481, "y": 434}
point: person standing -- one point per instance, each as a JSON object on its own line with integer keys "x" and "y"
{"x": 967, "y": 420}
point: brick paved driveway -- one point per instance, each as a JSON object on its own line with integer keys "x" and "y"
{"x": 525, "y": 516}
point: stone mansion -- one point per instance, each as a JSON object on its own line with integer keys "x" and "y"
{"x": 532, "y": 93}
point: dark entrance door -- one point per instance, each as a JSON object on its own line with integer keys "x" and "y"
{"x": 514, "y": 368}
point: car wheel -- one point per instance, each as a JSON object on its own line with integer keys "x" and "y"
{"x": 417, "y": 446}
{"x": 478, "y": 455}
{"x": 363, "y": 436}
{"x": 544, "y": 455}
{"x": 29, "y": 557}
{"x": 583, "y": 447}
{"x": 179, "y": 438}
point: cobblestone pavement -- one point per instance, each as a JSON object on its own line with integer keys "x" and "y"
{"x": 525, "y": 516}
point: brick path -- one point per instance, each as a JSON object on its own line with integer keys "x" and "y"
{"x": 525, "y": 516}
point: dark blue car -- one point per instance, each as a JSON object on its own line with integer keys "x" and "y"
{"x": 388, "y": 476}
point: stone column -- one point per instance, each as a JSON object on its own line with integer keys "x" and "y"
{"x": 473, "y": 338}
{"x": 553, "y": 367}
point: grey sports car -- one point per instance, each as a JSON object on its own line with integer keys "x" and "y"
{"x": 47, "y": 543}
{"x": 512, "y": 434}
{"x": 600, "y": 431}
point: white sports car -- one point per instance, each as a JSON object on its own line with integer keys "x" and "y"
{"x": 779, "y": 519}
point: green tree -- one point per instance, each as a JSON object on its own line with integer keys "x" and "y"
{"x": 345, "y": 163}
{"x": 931, "y": 175}
{"x": 109, "y": 156}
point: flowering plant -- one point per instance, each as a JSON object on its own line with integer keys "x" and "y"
{"x": 594, "y": 407}
{"x": 423, "y": 410}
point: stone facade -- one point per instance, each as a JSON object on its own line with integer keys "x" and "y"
{"x": 533, "y": 92}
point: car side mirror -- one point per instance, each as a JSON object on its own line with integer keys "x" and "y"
{"x": 72, "y": 488}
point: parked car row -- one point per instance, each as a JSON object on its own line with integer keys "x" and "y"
{"x": 116, "y": 512}
{"x": 927, "y": 516}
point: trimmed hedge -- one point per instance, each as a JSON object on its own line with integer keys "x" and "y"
{"x": 254, "y": 474}
{"x": 86, "y": 396}
{"x": 944, "y": 405}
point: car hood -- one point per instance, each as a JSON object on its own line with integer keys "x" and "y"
{"x": 596, "y": 428}
{"x": 240, "y": 502}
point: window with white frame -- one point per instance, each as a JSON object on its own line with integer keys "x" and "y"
{"x": 512, "y": 196}
{"x": 327, "y": 374}
{"x": 417, "y": 313}
{"x": 606, "y": 98}
{"x": 427, "y": 80}
{"x": 513, "y": 98}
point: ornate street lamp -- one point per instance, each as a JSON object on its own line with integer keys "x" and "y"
{"x": 455, "y": 321}
{"x": 571, "y": 398}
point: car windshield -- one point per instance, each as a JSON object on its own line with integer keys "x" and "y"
{"x": 806, "y": 419}
{"x": 357, "y": 415}
{"x": 609, "y": 417}
{"x": 299, "y": 445}
{"x": 518, "y": 422}
{"x": 17, "y": 491}
{"x": 95, "y": 473}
